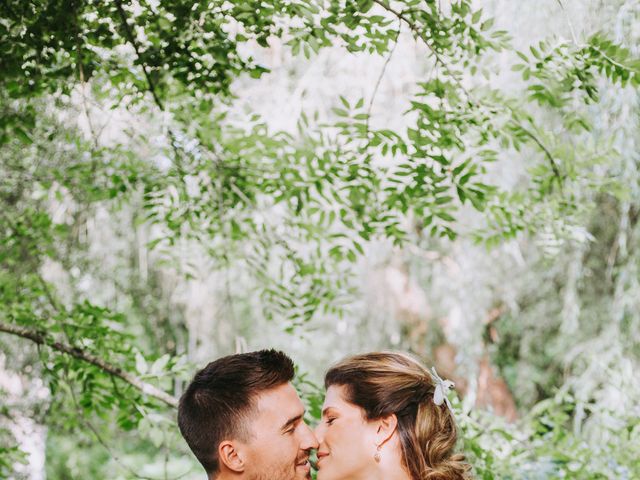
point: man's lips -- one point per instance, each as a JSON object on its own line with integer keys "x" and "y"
{"x": 304, "y": 465}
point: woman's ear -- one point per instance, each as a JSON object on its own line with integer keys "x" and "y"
{"x": 386, "y": 427}
{"x": 230, "y": 456}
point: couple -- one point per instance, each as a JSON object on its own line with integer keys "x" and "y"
{"x": 384, "y": 418}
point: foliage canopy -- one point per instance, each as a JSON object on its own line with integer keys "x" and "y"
{"x": 293, "y": 211}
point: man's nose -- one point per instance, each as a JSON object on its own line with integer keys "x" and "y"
{"x": 309, "y": 440}
{"x": 319, "y": 432}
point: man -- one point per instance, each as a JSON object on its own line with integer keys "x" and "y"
{"x": 243, "y": 419}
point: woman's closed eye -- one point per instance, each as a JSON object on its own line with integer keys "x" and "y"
{"x": 330, "y": 420}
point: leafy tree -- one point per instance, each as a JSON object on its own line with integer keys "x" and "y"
{"x": 292, "y": 210}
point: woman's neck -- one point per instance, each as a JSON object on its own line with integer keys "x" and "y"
{"x": 390, "y": 466}
{"x": 395, "y": 473}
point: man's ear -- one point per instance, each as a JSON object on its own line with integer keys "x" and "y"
{"x": 386, "y": 426}
{"x": 231, "y": 457}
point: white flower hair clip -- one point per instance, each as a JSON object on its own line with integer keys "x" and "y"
{"x": 442, "y": 387}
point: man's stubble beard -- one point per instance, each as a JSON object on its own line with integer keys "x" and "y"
{"x": 283, "y": 471}
{"x": 279, "y": 473}
{"x": 267, "y": 476}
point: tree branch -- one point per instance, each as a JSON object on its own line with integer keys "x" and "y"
{"x": 131, "y": 39}
{"x": 75, "y": 352}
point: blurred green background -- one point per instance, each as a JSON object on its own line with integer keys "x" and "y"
{"x": 184, "y": 180}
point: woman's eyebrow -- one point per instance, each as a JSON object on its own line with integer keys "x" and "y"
{"x": 326, "y": 411}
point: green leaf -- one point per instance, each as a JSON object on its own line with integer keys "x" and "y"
{"x": 23, "y": 136}
{"x": 486, "y": 25}
{"x": 141, "y": 364}
{"x": 535, "y": 52}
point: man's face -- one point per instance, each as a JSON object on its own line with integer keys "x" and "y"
{"x": 279, "y": 446}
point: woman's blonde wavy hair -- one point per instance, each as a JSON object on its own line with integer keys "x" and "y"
{"x": 382, "y": 383}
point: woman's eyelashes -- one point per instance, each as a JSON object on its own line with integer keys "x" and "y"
{"x": 330, "y": 420}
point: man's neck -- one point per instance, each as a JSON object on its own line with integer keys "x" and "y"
{"x": 226, "y": 476}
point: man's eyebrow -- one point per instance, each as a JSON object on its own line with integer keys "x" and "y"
{"x": 292, "y": 421}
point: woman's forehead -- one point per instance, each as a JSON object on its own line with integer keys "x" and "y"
{"x": 336, "y": 398}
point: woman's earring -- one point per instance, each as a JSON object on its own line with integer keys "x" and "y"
{"x": 376, "y": 457}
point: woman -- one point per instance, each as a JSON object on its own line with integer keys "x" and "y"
{"x": 380, "y": 421}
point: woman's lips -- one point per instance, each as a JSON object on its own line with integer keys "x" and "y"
{"x": 321, "y": 455}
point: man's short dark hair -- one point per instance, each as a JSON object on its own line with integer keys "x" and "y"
{"x": 220, "y": 399}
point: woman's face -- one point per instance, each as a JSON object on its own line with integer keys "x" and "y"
{"x": 346, "y": 439}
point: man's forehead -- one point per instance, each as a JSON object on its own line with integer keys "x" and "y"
{"x": 281, "y": 401}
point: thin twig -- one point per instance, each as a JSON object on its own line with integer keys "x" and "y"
{"x": 151, "y": 86}
{"x": 103, "y": 442}
{"x": 83, "y": 93}
{"x": 78, "y": 353}
{"x": 470, "y": 98}
{"x": 131, "y": 39}
{"x": 573, "y": 33}
{"x": 545, "y": 150}
{"x": 80, "y": 61}
{"x": 612, "y": 61}
{"x": 420, "y": 34}
{"x": 97, "y": 435}
{"x": 226, "y": 252}
{"x": 382, "y": 72}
